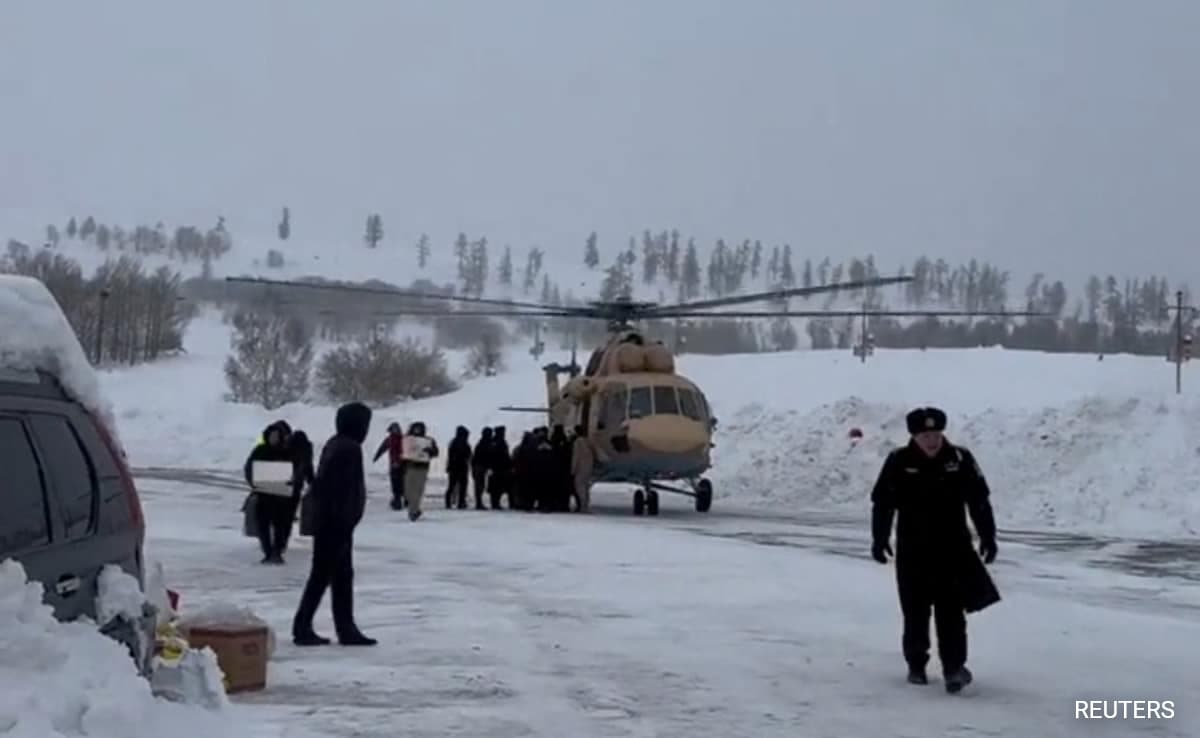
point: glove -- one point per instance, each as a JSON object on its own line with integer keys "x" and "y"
{"x": 987, "y": 549}
{"x": 881, "y": 551}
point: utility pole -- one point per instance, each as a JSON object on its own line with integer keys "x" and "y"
{"x": 538, "y": 346}
{"x": 1183, "y": 342}
{"x": 866, "y": 342}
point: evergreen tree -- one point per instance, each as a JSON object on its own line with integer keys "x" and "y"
{"x": 462, "y": 258}
{"x": 673, "y": 258}
{"x": 787, "y": 275}
{"x": 690, "y": 274}
{"x": 756, "y": 260}
{"x": 88, "y": 229}
{"x": 478, "y": 271}
{"x": 53, "y": 237}
{"x": 374, "y": 232}
{"x": 616, "y": 283}
{"x": 72, "y": 228}
{"x": 806, "y": 279}
{"x": 650, "y": 258}
{"x": 506, "y": 267}
{"x": 533, "y": 269}
{"x": 103, "y": 236}
{"x": 591, "y": 252}
{"x": 285, "y": 225}
{"x": 423, "y": 250}
{"x": 774, "y": 266}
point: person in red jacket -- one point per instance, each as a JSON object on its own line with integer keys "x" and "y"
{"x": 393, "y": 445}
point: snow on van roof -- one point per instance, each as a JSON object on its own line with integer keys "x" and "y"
{"x": 35, "y": 334}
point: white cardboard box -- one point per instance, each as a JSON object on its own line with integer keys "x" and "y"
{"x": 272, "y": 477}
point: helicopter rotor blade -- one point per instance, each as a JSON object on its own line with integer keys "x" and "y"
{"x": 852, "y": 314}
{"x": 399, "y": 293}
{"x": 660, "y": 311}
{"x": 386, "y": 313}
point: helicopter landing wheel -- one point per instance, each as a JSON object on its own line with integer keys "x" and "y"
{"x": 651, "y": 502}
{"x": 704, "y": 493}
{"x": 639, "y": 502}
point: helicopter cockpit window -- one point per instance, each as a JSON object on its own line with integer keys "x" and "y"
{"x": 665, "y": 402}
{"x": 689, "y": 405}
{"x": 641, "y": 402}
{"x": 613, "y": 413}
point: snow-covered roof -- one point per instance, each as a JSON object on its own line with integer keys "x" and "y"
{"x": 35, "y": 334}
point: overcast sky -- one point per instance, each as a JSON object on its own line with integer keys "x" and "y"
{"x": 1036, "y": 133}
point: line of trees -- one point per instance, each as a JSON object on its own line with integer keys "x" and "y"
{"x": 1108, "y": 313}
{"x": 122, "y": 314}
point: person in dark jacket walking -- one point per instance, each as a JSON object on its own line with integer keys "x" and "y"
{"x": 458, "y": 469}
{"x": 926, "y": 485}
{"x": 339, "y": 499}
{"x": 479, "y": 466}
{"x": 274, "y": 513}
{"x": 303, "y": 475}
{"x": 500, "y": 468}
{"x": 393, "y": 446}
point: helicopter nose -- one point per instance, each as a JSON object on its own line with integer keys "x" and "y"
{"x": 666, "y": 434}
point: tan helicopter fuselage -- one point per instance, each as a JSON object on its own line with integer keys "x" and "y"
{"x": 642, "y": 420}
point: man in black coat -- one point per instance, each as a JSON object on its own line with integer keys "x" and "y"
{"x": 479, "y": 465}
{"x": 926, "y": 485}
{"x": 458, "y": 469}
{"x": 339, "y": 500}
{"x": 500, "y": 467}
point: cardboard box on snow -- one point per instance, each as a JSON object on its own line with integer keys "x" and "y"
{"x": 241, "y": 653}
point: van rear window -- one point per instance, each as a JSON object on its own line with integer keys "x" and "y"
{"x": 19, "y": 376}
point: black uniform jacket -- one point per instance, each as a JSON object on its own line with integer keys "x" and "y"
{"x": 927, "y": 496}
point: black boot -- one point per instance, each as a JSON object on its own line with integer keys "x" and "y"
{"x": 309, "y": 639}
{"x": 356, "y": 639}
{"x": 957, "y": 679}
{"x": 916, "y": 675}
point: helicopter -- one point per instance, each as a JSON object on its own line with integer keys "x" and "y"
{"x": 646, "y": 423}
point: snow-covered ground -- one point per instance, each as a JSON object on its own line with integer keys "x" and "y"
{"x": 505, "y": 624}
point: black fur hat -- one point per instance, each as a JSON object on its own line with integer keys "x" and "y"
{"x": 925, "y": 419}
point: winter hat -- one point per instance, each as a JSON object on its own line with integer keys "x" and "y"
{"x": 925, "y": 419}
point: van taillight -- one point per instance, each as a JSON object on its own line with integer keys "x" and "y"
{"x": 135, "y": 504}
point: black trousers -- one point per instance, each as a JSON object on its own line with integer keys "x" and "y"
{"x": 456, "y": 490}
{"x": 396, "y": 476}
{"x": 498, "y": 486}
{"x": 479, "y": 476}
{"x": 924, "y": 588}
{"x": 332, "y": 569}
{"x": 275, "y": 515}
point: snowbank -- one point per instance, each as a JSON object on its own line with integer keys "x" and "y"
{"x": 35, "y": 334}
{"x": 65, "y": 679}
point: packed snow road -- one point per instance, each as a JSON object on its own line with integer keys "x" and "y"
{"x": 731, "y": 624}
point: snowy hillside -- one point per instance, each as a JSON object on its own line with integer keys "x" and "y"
{"x": 1067, "y": 441}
